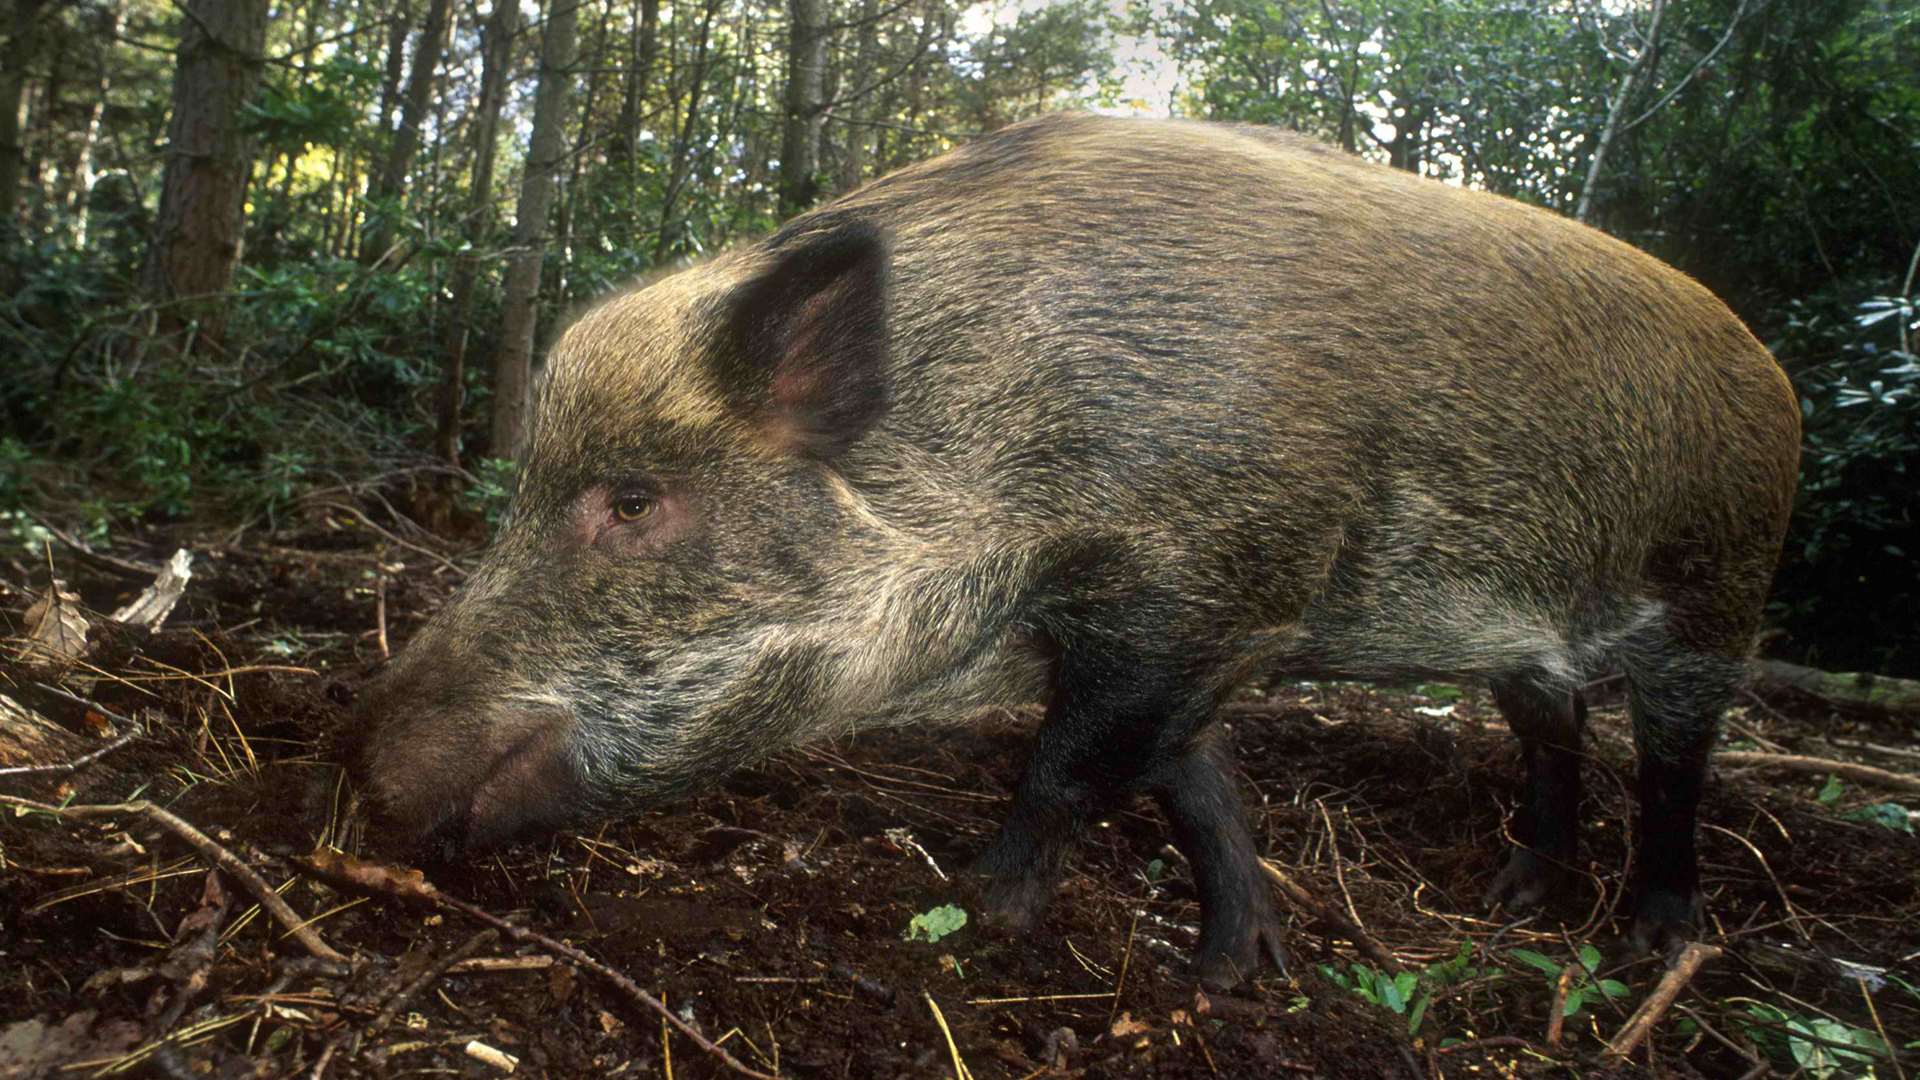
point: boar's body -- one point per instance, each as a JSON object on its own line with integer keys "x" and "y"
{"x": 1113, "y": 413}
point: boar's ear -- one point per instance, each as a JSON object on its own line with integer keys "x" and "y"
{"x": 806, "y": 348}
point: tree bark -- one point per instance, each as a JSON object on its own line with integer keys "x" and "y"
{"x": 405, "y": 143}
{"x": 1859, "y": 691}
{"x": 666, "y": 236}
{"x": 197, "y": 230}
{"x": 512, "y": 367}
{"x": 853, "y": 144}
{"x": 23, "y": 34}
{"x": 646, "y": 52}
{"x": 1616, "y": 115}
{"x": 496, "y": 58}
{"x": 805, "y": 110}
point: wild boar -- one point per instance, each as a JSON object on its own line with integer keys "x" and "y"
{"x": 1113, "y": 414}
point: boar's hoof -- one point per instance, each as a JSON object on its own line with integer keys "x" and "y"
{"x": 1528, "y": 880}
{"x": 1232, "y": 953}
{"x": 1664, "y": 920}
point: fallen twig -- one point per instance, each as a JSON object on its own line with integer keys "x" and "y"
{"x": 401, "y": 997}
{"x": 1494, "y": 1042}
{"x": 301, "y": 930}
{"x": 413, "y": 885}
{"x": 1846, "y": 770}
{"x": 76, "y": 764}
{"x": 1635, "y": 1031}
{"x": 1557, "y": 1023}
{"x": 1300, "y": 897}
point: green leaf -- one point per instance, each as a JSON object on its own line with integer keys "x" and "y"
{"x": 935, "y": 923}
{"x": 1536, "y": 960}
{"x": 1589, "y": 957}
{"x": 1576, "y": 1001}
{"x": 1830, "y": 792}
{"x": 1390, "y": 995}
{"x": 1418, "y": 1013}
{"x": 1614, "y": 988}
{"x": 1887, "y": 815}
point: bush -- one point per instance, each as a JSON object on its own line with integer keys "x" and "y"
{"x": 1849, "y": 579}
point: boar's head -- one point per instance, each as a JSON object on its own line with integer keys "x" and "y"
{"x": 635, "y": 628}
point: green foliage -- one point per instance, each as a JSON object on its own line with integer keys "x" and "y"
{"x": 935, "y": 923}
{"x": 1584, "y": 987}
{"x": 1887, "y": 815}
{"x": 1409, "y": 993}
{"x": 318, "y": 106}
{"x": 1820, "y": 1045}
{"x": 492, "y": 489}
{"x": 1851, "y": 567}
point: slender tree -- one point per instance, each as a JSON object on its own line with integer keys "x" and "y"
{"x": 23, "y": 35}
{"x": 640, "y": 64}
{"x": 496, "y": 58}
{"x": 197, "y": 231}
{"x": 805, "y": 111}
{"x": 512, "y": 366}
{"x": 405, "y": 143}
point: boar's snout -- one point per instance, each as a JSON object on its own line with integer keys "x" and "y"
{"x": 448, "y": 771}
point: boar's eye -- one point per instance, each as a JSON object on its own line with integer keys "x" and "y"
{"x": 632, "y": 506}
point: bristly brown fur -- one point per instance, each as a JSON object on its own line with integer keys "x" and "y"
{"x": 1115, "y": 413}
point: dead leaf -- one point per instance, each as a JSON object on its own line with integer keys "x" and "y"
{"x": 56, "y": 628}
{"x": 1125, "y": 1025}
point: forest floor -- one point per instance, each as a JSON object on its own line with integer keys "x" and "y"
{"x": 772, "y": 914}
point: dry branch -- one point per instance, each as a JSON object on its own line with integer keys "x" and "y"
{"x": 1300, "y": 897}
{"x": 1846, "y": 770}
{"x": 1860, "y": 690}
{"x": 412, "y": 885}
{"x": 1635, "y": 1030}
{"x": 301, "y": 930}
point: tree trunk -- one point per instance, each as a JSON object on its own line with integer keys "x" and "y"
{"x": 405, "y": 144}
{"x": 1617, "y": 114}
{"x": 197, "y": 230}
{"x": 665, "y": 237}
{"x": 646, "y": 52}
{"x": 805, "y": 111}
{"x": 853, "y": 144}
{"x": 496, "y": 58}
{"x": 23, "y": 32}
{"x": 399, "y": 19}
{"x": 512, "y": 367}
{"x": 79, "y": 182}
{"x": 596, "y": 65}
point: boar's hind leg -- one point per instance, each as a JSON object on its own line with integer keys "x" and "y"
{"x": 1238, "y": 926}
{"x": 1548, "y": 723}
{"x": 1678, "y": 696}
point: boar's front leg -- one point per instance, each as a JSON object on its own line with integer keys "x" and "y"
{"x": 1123, "y": 716}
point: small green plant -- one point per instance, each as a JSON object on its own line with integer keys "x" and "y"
{"x": 1887, "y": 815}
{"x": 1830, "y": 791}
{"x": 1820, "y": 1045}
{"x": 935, "y": 923}
{"x": 1409, "y": 993}
{"x": 492, "y": 489}
{"x": 1584, "y": 987}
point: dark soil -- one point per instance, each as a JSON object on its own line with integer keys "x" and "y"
{"x": 770, "y": 912}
